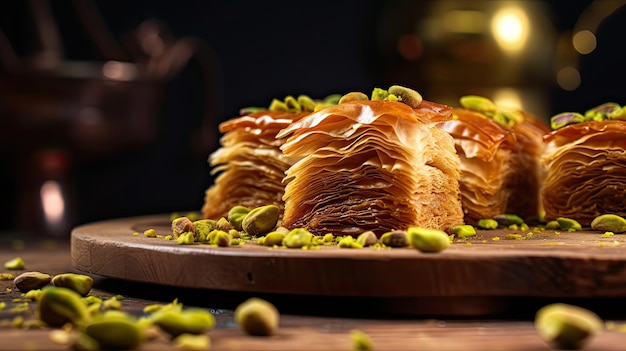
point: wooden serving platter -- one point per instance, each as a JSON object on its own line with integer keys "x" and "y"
{"x": 483, "y": 272}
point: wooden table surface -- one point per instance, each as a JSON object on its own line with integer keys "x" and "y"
{"x": 307, "y": 322}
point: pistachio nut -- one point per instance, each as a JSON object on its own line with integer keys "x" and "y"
{"x": 274, "y": 239}
{"x": 463, "y": 231}
{"x": 250, "y": 109}
{"x": 33, "y": 294}
{"x": 186, "y": 238}
{"x": 567, "y": 326}
{"x": 203, "y": 228}
{"x": 258, "y": 317}
{"x": 328, "y": 238}
{"x": 277, "y": 105}
{"x": 15, "y": 264}
{"x": 353, "y": 96}
{"x": 506, "y": 219}
{"x": 503, "y": 119}
{"x": 192, "y": 342}
{"x": 379, "y": 94}
{"x": 396, "y": 238}
{"x": 177, "y": 322}
{"x": 552, "y": 225}
{"x": 115, "y": 330}
{"x": 28, "y": 281}
{"x": 406, "y": 95}
{"x": 428, "y": 240}
{"x": 610, "y": 223}
{"x": 292, "y": 104}
{"x": 297, "y": 238}
{"x": 80, "y": 283}
{"x": 57, "y": 306}
{"x": 565, "y": 118}
{"x": 182, "y": 225}
{"x": 360, "y": 341}
{"x": 236, "y": 216}
{"x": 604, "y": 110}
{"x": 219, "y": 238}
{"x": 261, "y": 220}
{"x": 619, "y": 114}
{"x": 223, "y": 224}
{"x": 487, "y": 223}
{"x": 349, "y": 242}
{"x": 367, "y": 238}
{"x": 569, "y": 224}
{"x": 306, "y": 103}
{"x": 477, "y": 103}
{"x": 332, "y": 99}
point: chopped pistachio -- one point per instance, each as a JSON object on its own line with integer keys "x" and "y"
{"x": 568, "y": 224}
{"x": 487, "y": 223}
{"x": 463, "y": 231}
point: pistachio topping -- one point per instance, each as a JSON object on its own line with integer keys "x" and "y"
{"x": 603, "y": 112}
{"x": 406, "y": 95}
{"x": 485, "y": 106}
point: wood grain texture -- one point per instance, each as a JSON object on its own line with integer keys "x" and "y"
{"x": 297, "y": 331}
{"x": 548, "y": 264}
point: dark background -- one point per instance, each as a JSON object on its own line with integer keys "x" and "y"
{"x": 254, "y": 51}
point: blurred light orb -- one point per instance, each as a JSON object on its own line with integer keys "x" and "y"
{"x": 584, "y": 42}
{"x": 508, "y": 97}
{"x": 510, "y": 29}
{"x": 568, "y": 78}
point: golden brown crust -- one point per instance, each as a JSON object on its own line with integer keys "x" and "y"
{"x": 250, "y": 163}
{"x": 500, "y": 164}
{"x": 371, "y": 165}
{"x": 586, "y": 171}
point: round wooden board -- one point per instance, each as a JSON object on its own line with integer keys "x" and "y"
{"x": 482, "y": 270}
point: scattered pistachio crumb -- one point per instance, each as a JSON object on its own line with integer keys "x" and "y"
{"x": 495, "y": 238}
{"x": 7, "y": 276}
{"x": 167, "y": 237}
{"x": 151, "y": 233}
{"x": 135, "y": 233}
{"x": 607, "y": 234}
{"x": 514, "y": 236}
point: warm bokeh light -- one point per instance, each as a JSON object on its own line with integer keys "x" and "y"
{"x": 584, "y": 41}
{"x": 121, "y": 71}
{"x": 410, "y": 46}
{"x": 508, "y": 97}
{"x": 510, "y": 29}
{"x": 568, "y": 78}
{"x": 464, "y": 21}
{"x": 52, "y": 202}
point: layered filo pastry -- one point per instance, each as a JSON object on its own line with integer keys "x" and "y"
{"x": 585, "y": 162}
{"x": 249, "y": 165}
{"x": 376, "y": 163}
{"x": 499, "y": 150}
